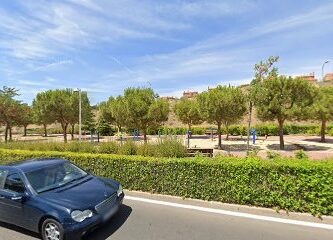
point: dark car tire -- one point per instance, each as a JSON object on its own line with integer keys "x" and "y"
{"x": 52, "y": 230}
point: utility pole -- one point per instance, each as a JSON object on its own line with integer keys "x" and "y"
{"x": 249, "y": 127}
{"x": 322, "y": 70}
{"x": 80, "y": 115}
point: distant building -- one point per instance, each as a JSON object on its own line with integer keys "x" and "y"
{"x": 169, "y": 98}
{"x": 308, "y": 77}
{"x": 189, "y": 94}
{"x": 328, "y": 77}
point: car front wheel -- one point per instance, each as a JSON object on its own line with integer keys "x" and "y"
{"x": 52, "y": 230}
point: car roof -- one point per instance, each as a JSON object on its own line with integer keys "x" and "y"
{"x": 34, "y": 164}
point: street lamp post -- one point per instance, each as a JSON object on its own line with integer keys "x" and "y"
{"x": 80, "y": 115}
{"x": 322, "y": 69}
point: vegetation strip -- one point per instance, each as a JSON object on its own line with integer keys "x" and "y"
{"x": 290, "y": 184}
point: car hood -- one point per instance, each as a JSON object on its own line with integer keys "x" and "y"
{"x": 81, "y": 195}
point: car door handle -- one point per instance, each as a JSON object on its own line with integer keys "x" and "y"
{"x": 16, "y": 198}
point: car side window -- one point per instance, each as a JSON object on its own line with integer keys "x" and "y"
{"x": 14, "y": 183}
{"x": 3, "y": 176}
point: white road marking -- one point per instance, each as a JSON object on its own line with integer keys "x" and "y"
{"x": 231, "y": 213}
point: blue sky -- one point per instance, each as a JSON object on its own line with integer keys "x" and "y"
{"x": 104, "y": 46}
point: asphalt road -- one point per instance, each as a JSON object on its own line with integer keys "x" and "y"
{"x": 141, "y": 220}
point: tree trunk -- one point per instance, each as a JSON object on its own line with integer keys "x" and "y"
{"x": 10, "y": 134}
{"x": 72, "y": 131}
{"x": 323, "y": 130}
{"x": 189, "y": 129}
{"x": 25, "y": 131}
{"x": 6, "y": 133}
{"x": 281, "y": 134}
{"x": 227, "y": 129}
{"x": 145, "y": 135}
{"x": 220, "y": 135}
{"x": 64, "y": 128}
{"x": 45, "y": 130}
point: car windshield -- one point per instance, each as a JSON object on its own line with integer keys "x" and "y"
{"x": 55, "y": 176}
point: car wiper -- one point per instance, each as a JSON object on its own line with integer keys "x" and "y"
{"x": 73, "y": 180}
{"x": 63, "y": 184}
{"x": 49, "y": 189}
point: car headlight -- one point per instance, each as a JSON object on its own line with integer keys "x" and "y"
{"x": 80, "y": 216}
{"x": 120, "y": 190}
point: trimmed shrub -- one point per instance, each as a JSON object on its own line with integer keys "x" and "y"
{"x": 236, "y": 130}
{"x": 273, "y": 155}
{"x": 300, "y": 154}
{"x": 290, "y": 184}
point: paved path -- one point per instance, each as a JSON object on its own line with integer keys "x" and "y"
{"x": 148, "y": 221}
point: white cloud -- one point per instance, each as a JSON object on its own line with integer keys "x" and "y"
{"x": 46, "y": 29}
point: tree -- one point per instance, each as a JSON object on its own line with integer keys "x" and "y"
{"x": 262, "y": 70}
{"x": 25, "y": 117}
{"x": 144, "y": 109}
{"x": 113, "y": 112}
{"x": 42, "y": 110}
{"x": 323, "y": 109}
{"x": 188, "y": 112}
{"x": 61, "y": 104}
{"x": 9, "y": 109}
{"x": 283, "y": 98}
{"x": 89, "y": 123}
{"x": 222, "y": 105}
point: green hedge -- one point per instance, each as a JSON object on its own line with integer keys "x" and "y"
{"x": 294, "y": 185}
{"x": 263, "y": 129}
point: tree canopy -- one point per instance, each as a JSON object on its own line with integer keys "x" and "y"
{"x": 10, "y": 110}
{"x": 283, "y": 98}
{"x": 42, "y": 110}
{"x": 322, "y": 109}
{"x": 144, "y": 109}
{"x": 188, "y": 112}
{"x": 222, "y": 105}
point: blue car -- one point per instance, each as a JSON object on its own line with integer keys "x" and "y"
{"x": 56, "y": 198}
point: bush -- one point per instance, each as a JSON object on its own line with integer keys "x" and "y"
{"x": 170, "y": 148}
{"x": 273, "y": 155}
{"x": 165, "y": 148}
{"x": 236, "y": 130}
{"x": 267, "y": 129}
{"x": 290, "y": 184}
{"x": 108, "y": 147}
{"x": 301, "y": 154}
{"x": 128, "y": 148}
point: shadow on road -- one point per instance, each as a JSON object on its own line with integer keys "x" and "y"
{"x": 238, "y": 147}
{"x": 101, "y": 233}
{"x": 112, "y": 225}
{"x": 287, "y": 147}
{"x": 293, "y": 147}
{"x": 328, "y": 140}
{"x": 19, "y": 230}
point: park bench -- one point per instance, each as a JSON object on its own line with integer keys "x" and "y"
{"x": 209, "y": 131}
{"x": 206, "y": 152}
